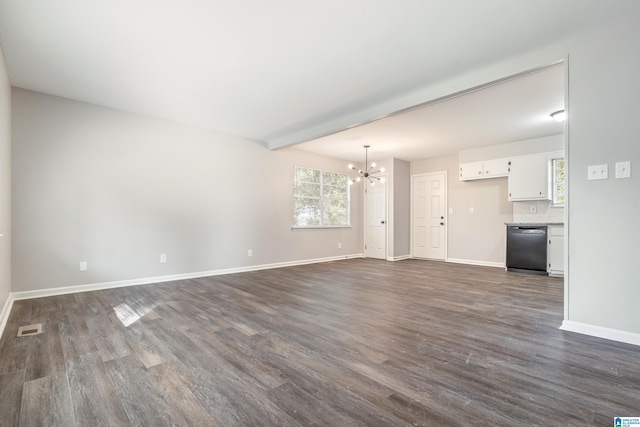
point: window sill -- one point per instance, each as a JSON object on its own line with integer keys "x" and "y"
{"x": 319, "y": 227}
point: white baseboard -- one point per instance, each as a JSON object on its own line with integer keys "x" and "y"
{"x": 601, "y": 332}
{"x": 4, "y": 314}
{"x": 475, "y": 262}
{"x": 398, "y": 258}
{"x": 159, "y": 279}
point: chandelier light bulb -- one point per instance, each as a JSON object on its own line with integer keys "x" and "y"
{"x": 373, "y": 165}
{"x": 381, "y": 169}
{"x": 350, "y": 166}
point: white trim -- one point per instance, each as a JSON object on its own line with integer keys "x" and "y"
{"x": 398, "y": 258}
{"x": 4, "y": 314}
{"x": 158, "y": 279}
{"x": 475, "y": 262}
{"x": 567, "y": 179}
{"x": 319, "y": 227}
{"x": 601, "y": 332}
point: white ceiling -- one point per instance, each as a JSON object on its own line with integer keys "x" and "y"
{"x": 267, "y": 69}
{"x": 511, "y": 111}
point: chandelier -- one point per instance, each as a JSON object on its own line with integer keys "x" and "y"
{"x": 368, "y": 172}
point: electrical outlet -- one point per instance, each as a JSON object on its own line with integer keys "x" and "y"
{"x": 163, "y": 258}
{"x": 533, "y": 209}
{"x": 83, "y": 266}
{"x": 250, "y": 253}
{"x": 339, "y": 245}
{"x": 472, "y": 210}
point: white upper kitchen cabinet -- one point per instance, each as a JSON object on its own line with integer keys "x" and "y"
{"x": 483, "y": 170}
{"x": 529, "y": 177}
{"x": 469, "y": 171}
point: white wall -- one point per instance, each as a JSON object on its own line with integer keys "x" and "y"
{"x": 480, "y": 237}
{"x": 521, "y": 210}
{"x": 518, "y": 148}
{"x": 5, "y": 185}
{"x": 159, "y": 202}
{"x": 603, "y": 68}
{"x": 477, "y": 237}
{"x": 603, "y": 125}
{"x": 401, "y": 209}
{"x": 116, "y": 190}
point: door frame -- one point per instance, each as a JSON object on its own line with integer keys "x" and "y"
{"x": 386, "y": 215}
{"x": 446, "y": 210}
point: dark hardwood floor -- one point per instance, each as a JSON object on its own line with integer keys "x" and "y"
{"x": 354, "y": 342}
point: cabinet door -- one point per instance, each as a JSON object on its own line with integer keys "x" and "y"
{"x": 496, "y": 168}
{"x": 555, "y": 251}
{"x": 471, "y": 171}
{"x": 529, "y": 177}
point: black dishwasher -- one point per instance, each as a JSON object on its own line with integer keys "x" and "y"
{"x": 527, "y": 248}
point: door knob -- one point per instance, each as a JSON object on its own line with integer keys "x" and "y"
{"x": 442, "y": 223}
{"x": 381, "y": 222}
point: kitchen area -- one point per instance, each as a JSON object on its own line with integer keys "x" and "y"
{"x": 534, "y": 173}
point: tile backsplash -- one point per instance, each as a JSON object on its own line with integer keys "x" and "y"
{"x": 544, "y": 212}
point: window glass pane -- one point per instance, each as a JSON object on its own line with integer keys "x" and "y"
{"x": 558, "y": 182}
{"x": 320, "y": 198}
{"x": 329, "y": 178}
{"x": 307, "y": 189}
{"x": 307, "y": 212}
{"x": 334, "y": 192}
{"x": 307, "y": 175}
{"x": 335, "y": 212}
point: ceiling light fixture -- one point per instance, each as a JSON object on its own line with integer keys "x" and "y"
{"x": 559, "y": 116}
{"x": 368, "y": 171}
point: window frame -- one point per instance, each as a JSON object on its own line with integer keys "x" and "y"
{"x": 322, "y": 199}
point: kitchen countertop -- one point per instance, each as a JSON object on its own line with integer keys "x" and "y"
{"x": 531, "y": 224}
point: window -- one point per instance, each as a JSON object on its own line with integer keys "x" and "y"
{"x": 320, "y": 199}
{"x": 558, "y": 190}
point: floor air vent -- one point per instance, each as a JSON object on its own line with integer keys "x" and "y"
{"x": 27, "y": 331}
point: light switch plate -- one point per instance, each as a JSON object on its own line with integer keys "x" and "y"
{"x": 623, "y": 169}
{"x": 598, "y": 172}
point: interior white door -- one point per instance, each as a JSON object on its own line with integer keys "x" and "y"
{"x": 429, "y": 195}
{"x": 376, "y": 223}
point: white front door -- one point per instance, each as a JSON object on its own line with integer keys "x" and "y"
{"x": 428, "y": 199}
{"x": 376, "y": 220}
